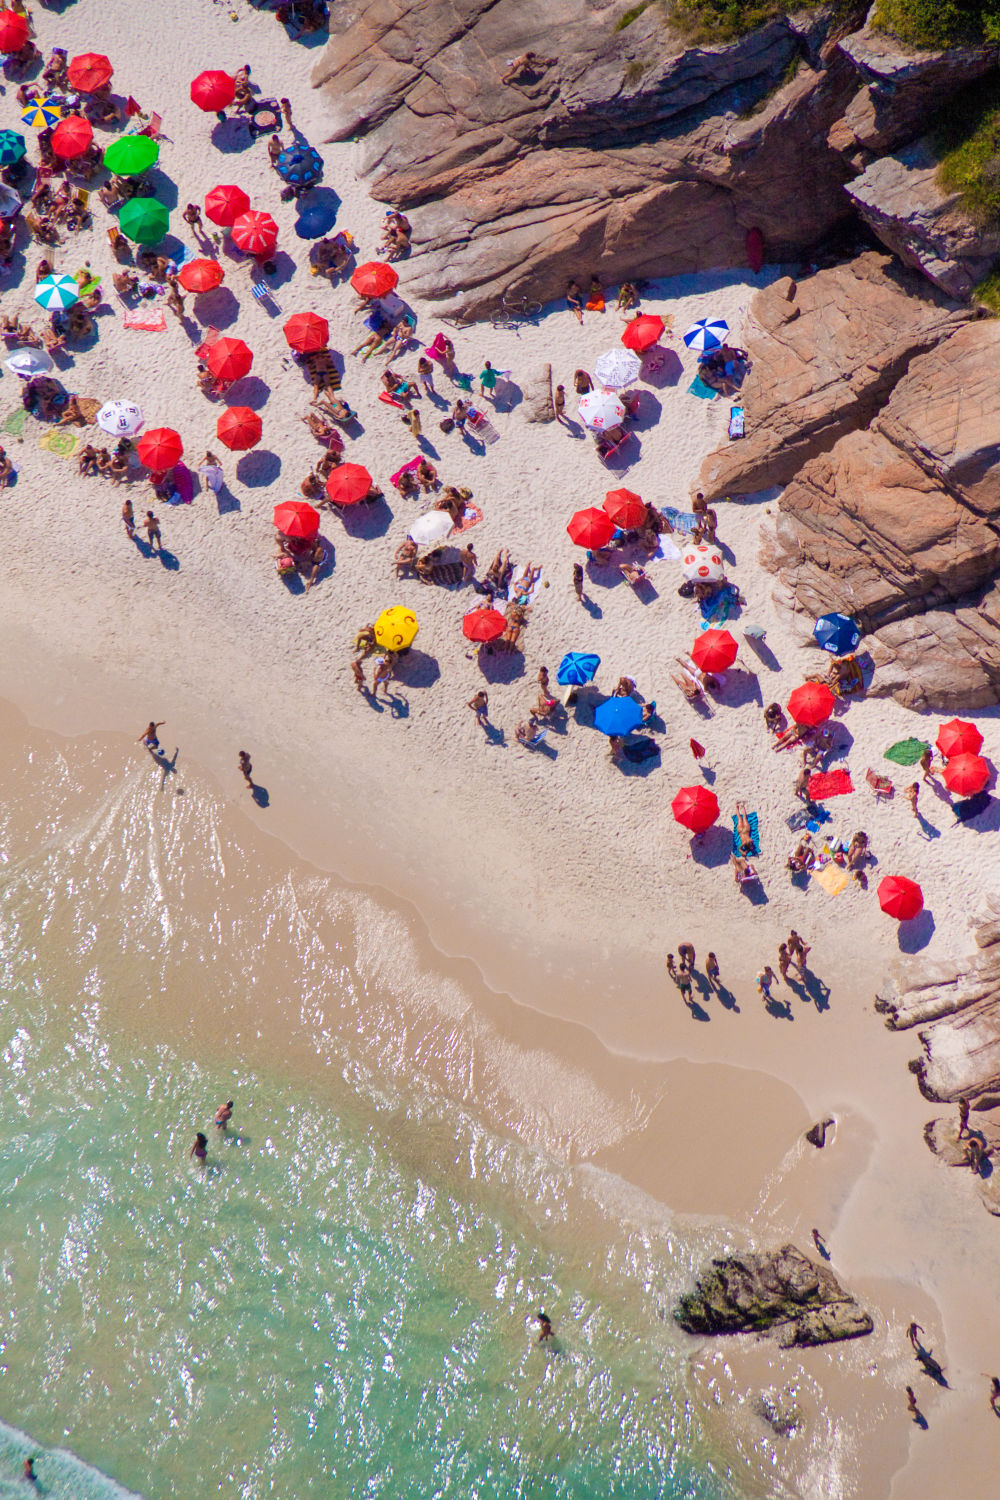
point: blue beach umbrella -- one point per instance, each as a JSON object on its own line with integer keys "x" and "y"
{"x": 707, "y": 333}
{"x": 618, "y": 716}
{"x": 576, "y": 668}
{"x": 56, "y": 292}
{"x": 315, "y": 220}
{"x": 300, "y": 164}
{"x": 12, "y": 147}
{"x": 837, "y": 634}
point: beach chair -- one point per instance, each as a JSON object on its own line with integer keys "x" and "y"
{"x": 478, "y": 423}
{"x": 153, "y": 127}
{"x": 880, "y": 785}
{"x": 212, "y": 336}
{"x": 263, "y": 294}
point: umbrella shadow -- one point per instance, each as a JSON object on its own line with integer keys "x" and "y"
{"x": 284, "y": 269}
{"x": 417, "y": 669}
{"x": 320, "y": 196}
{"x": 250, "y": 391}
{"x": 218, "y": 308}
{"x": 632, "y": 768}
{"x": 914, "y": 935}
{"x": 501, "y": 664}
{"x": 763, "y": 652}
{"x": 164, "y": 187}
{"x": 258, "y": 468}
{"x": 365, "y": 520}
{"x": 648, "y": 412}
{"x": 712, "y": 848}
{"x": 738, "y": 687}
{"x": 231, "y": 135}
{"x": 507, "y": 395}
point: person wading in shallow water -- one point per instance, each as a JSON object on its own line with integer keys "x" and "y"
{"x": 544, "y": 1325}
{"x": 246, "y": 768}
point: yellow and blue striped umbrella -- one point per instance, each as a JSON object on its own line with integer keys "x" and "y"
{"x": 41, "y": 113}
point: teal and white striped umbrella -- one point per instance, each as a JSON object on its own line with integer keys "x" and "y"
{"x": 40, "y": 113}
{"x": 56, "y": 292}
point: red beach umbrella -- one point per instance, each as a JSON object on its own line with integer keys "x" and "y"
{"x": 900, "y": 898}
{"x": 201, "y": 275}
{"x": 238, "y": 427}
{"x": 160, "y": 449}
{"x": 225, "y": 203}
{"x": 72, "y": 136}
{"x": 714, "y": 651}
{"x": 13, "y": 31}
{"x": 374, "y": 279}
{"x": 229, "y": 359}
{"x": 255, "y": 232}
{"x": 89, "y": 72}
{"x": 626, "y": 509}
{"x": 212, "y": 91}
{"x": 958, "y": 737}
{"x": 811, "y": 704}
{"x": 966, "y": 774}
{"x": 643, "y": 332}
{"x": 296, "y": 518}
{"x": 591, "y": 528}
{"x": 695, "y": 807}
{"x": 348, "y": 483}
{"x": 306, "y": 332}
{"x": 483, "y": 625}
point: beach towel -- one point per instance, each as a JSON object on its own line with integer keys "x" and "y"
{"x": 832, "y": 878}
{"x": 14, "y": 421}
{"x": 701, "y": 390}
{"x": 680, "y": 520}
{"x": 736, "y": 422}
{"x": 183, "y": 491}
{"x": 799, "y": 819}
{"x": 906, "y": 752}
{"x": 390, "y": 400}
{"x": 596, "y": 304}
{"x": 145, "y": 322}
{"x": 409, "y": 468}
{"x": 716, "y": 611}
{"x": 60, "y": 441}
{"x": 89, "y": 407}
{"x": 971, "y": 807}
{"x": 754, "y": 822}
{"x": 829, "y": 784}
{"x": 640, "y": 750}
{"x": 471, "y": 516}
{"x": 448, "y": 573}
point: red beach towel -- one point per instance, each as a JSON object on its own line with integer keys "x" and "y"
{"x": 829, "y": 784}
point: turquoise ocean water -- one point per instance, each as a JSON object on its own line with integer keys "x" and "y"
{"x": 340, "y": 1303}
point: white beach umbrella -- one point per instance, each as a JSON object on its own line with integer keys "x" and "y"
{"x": 9, "y": 201}
{"x": 617, "y": 368}
{"x": 120, "y": 418}
{"x": 28, "y": 362}
{"x": 56, "y": 292}
{"x": 707, "y": 333}
{"x": 432, "y": 526}
{"x": 600, "y": 410}
{"x": 703, "y": 564}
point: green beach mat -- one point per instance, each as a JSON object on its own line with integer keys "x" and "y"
{"x": 906, "y": 752}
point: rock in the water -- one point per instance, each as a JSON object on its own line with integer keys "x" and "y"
{"x": 784, "y": 1291}
{"x": 900, "y": 198}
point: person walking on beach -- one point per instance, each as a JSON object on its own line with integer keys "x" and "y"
{"x": 382, "y": 675}
{"x": 765, "y": 979}
{"x": 672, "y": 967}
{"x": 963, "y": 1118}
{"x": 150, "y": 738}
{"x": 223, "y": 1115}
{"x": 578, "y": 581}
{"x": 152, "y": 525}
{"x": 246, "y": 768}
{"x": 545, "y": 1328}
{"x": 480, "y": 705}
{"x": 488, "y": 378}
{"x": 820, "y": 1244}
{"x": 684, "y": 985}
{"x": 128, "y": 519}
{"x": 784, "y": 960}
{"x": 712, "y": 972}
{"x": 913, "y": 1408}
{"x": 425, "y": 372}
{"x": 559, "y": 403}
{"x": 927, "y": 764}
{"x": 798, "y": 950}
{"x": 29, "y": 1471}
{"x": 200, "y": 1148}
{"x": 995, "y": 1396}
{"x": 358, "y": 673}
{"x": 286, "y": 112}
{"x": 911, "y": 794}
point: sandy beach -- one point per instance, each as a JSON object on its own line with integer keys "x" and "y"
{"x": 526, "y": 899}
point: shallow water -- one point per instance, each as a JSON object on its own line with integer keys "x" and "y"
{"x": 340, "y": 1303}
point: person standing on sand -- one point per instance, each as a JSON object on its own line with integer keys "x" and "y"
{"x": 29, "y": 1471}
{"x": 926, "y": 764}
{"x": 223, "y": 1115}
{"x": 574, "y": 299}
{"x": 671, "y": 967}
{"x": 382, "y": 675}
{"x": 798, "y": 951}
{"x": 286, "y": 112}
{"x": 425, "y": 372}
{"x": 784, "y": 959}
{"x": 246, "y": 768}
{"x": 480, "y": 705}
{"x": 488, "y": 378}
{"x": 192, "y": 216}
{"x": 578, "y": 581}
{"x": 684, "y": 985}
{"x": 559, "y": 403}
{"x": 963, "y": 1118}
{"x": 128, "y": 519}
{"x": 820, "y": 1243}
{"x": 911, "y": 1405}
{"x": 712, "y": 972}
{"x": 765, "y": 979}
{"x": 685, "y": 952}
{"x": 152, "y": 525}
{"x": 358, "y": 673}
{"x": 911, "y": 794}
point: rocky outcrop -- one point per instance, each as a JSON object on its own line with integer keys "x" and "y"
{"x": 781, "y": 1292}
{"x": 957, "y": 1003}
{"x": 827, "y": 353}
{"x": 537, "y": 393}
{"x": 626, "y": 152}
{"x": 902, "y": 201}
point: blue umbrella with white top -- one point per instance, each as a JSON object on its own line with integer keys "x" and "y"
{"x": 707, "y": 333}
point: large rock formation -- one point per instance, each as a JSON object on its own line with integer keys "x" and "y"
{"x": 782, "y": 1292}
{"x": 902, "y": 201}
{"x": 628, "y": 153}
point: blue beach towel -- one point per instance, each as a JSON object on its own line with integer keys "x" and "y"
{"x": 701, "y": 390}
{"x": 753, "y": 820}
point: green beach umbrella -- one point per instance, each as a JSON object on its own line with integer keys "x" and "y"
{"x": 130, "y": 155}
{"x": 12, "y": 147}
{"x": 145, "y": 220}
{"x": 56, "y": 292}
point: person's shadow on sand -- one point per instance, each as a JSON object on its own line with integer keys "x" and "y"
{"x": 260, "y": 794}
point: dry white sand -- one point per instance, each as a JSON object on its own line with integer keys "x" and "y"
{"x": 563, "y": 878}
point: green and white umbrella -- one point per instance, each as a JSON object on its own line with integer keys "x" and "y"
{"x": 55, "y": 292}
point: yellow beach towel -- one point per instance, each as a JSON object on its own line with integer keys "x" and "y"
{"x": 832, "y": 878}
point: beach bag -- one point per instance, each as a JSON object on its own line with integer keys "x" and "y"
{"x": 447, "y": 425}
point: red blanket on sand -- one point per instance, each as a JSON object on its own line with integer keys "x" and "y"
{"x": 829, "y": 784}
